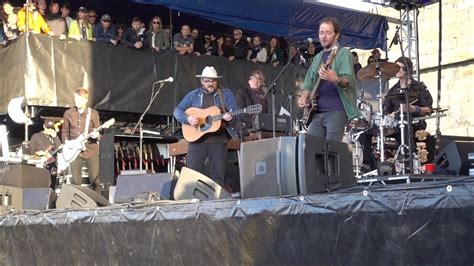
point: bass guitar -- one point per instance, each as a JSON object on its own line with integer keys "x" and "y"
{"x": 209, "y": 120}
{"x": 72, "y": 148}
{"x": 314, "y": 95}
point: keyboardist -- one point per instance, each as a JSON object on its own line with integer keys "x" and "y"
{"x": 43, "y": 143}
{"x": 254, "y": 93}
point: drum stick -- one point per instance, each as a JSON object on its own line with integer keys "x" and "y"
{"x": 396, "y": 112}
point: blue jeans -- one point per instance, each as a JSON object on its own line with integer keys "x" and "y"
{"x": 329, "y": 125}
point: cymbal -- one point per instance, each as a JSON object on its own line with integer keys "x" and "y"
{"x": 387, "y": 70}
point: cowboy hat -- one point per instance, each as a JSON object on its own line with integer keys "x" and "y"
{"x": 209, "y": 72}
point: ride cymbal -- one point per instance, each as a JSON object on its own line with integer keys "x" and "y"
{"x": 387, "y": 70}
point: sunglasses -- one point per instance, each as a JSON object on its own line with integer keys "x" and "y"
{"x": 209, "y": 80}
{"x": 106, "y": 21}
{"x": 156, "y": 22}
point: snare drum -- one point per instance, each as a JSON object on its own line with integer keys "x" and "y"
{"x": 388, "y": 121}
{"x": 363, "y": 122}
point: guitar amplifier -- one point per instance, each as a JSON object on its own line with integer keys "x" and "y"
{"x": 264, "y": 122}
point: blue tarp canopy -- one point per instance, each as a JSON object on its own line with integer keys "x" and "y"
{"x": 292, "y": 19}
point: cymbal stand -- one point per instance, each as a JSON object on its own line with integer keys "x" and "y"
{"x": 381, "y": 138}
{"x": 355, "y": 139}
{"x": 403, "y": 148}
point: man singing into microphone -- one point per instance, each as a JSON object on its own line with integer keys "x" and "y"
{"x": 337, "y": 92}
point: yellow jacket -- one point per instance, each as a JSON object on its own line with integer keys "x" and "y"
{"x": 75, "y": 31}
{"x": 36, "y": 22}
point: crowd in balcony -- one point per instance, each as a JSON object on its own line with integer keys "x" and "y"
{"x": 56, "y": 19}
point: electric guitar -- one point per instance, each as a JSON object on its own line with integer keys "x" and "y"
{"x": 209, "y": 120}
{"x": 72, "y": 148}
{"x": 314, "y": 95}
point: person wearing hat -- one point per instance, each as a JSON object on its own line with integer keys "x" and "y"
{"x": 78, "y": 120}
{"x": 43, "y": 143}
{"x": 212, "y": 145}
{"x": 80, "y": 29}
{"x": 105, "y": 31}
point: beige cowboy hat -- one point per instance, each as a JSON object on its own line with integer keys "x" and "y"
{"x": 209, "y": 72}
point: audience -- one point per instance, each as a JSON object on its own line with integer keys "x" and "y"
{"x": 55, "y": 22}
{"x": 257, "y": 52}
{"x": 241, "y": 46}
{"x": 80, "y": 29}
{"x": 134, "y": 36}
{"x": 275, "y": 54}
{"x": 105, "y": 31}
{"x": 157, "y": 38}
{"x": 183, "y": 42}
{"x": 91, "y": 16}
{"x": 65, "y": 10}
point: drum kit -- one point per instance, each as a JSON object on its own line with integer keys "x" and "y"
{"x": 378, "y": 124}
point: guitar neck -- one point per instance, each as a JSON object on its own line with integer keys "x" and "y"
{"x": 233, "y": 112}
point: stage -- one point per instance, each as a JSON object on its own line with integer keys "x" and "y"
{"x": 403, "y": 224}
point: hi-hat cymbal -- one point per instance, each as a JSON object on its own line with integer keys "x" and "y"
{"x": 387, "y": 70}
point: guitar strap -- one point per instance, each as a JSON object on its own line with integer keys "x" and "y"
{"x": 228, "y": 127}
{"x": 88, "y": 118}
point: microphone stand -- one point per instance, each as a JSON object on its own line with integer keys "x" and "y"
{"x": 289, "y": 100}
{"x": 272, "y": 90}
{"x": 140, "y": 123}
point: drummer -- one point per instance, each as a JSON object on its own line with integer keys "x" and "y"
{"x": 420, "y": 105}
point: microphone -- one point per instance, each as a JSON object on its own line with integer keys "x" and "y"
{"x": 170, "y": 79}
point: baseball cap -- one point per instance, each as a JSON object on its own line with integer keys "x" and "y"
{"x": 105, "y": 17}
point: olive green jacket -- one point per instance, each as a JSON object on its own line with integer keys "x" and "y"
{"x": 344, "y": 66}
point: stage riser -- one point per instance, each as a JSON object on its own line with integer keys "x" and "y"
{"x": 393, "y": 226}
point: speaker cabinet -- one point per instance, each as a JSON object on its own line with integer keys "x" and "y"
{"x": 453, "y": 158}
{"x": 323, "y": 165}
{"x": 340, "y": 168}
{"x": 73, "y": 196}
{"x": 312, "y": 167}
{"x": 268, "y": 167}
{"x": 107, "y": 157}
{"x": 27, "y": 198}
{"x": 25, "y": 176}
{"x": 133, "y": 187}
{"x": 194, "y": 185}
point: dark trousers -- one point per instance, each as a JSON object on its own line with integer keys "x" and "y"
{"x": 217, "y": 157}
{"x": 92, "y": 164}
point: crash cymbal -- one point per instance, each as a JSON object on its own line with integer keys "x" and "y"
{"x": 387, "y": 70}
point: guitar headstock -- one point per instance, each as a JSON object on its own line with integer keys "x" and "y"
{"x": 332, "y": 55}
{"x": 109, "y": 123}
{"x": 253, "y": 109}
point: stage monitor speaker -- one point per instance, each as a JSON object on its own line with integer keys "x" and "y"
{"x": 27, "y": 198}
{"x": 453, "y": 158}
{"x": 25, "y": 176}
{"x": 323, "y": 165}
{"x": 268, "y": 167}
{"x": 142, "y": 187}
{"x": 74, "y": 196}
{"x": 194, "y": 185}
{"x": 312, "y": 164}
{"x": 340, "y": 168}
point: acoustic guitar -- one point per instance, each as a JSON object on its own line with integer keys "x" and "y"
{"x": 314, "y": 95}
{"x": 210, "y": 120}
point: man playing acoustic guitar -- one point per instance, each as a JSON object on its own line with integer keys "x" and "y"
{"x": 212, "y": 145}
{"x": 329, "y": 89}
{"x": 78, "y": 120}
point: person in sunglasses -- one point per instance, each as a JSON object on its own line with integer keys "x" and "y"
{"x": 157, "y": 38}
